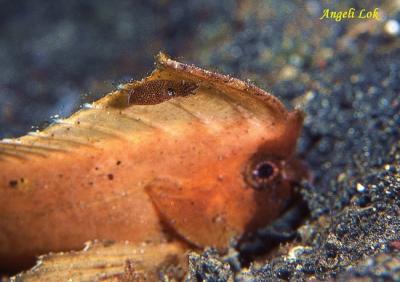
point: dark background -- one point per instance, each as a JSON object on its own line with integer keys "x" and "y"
{"x": 345, "y": 75}
{"x": 54, "y": 55}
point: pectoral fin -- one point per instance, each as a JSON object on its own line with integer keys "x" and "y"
{"x": 197, "y": 214}
{"x": 119, "y": 261}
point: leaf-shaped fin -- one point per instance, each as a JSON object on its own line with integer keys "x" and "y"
{"x": 160, "y": 102}
{"x": 102, "y": 261}
{"x": 196, "y": 214}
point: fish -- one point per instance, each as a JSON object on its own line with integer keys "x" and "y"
{"x": 181, "y": 160}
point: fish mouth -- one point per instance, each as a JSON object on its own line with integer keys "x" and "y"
{"x": 295, "y": 170}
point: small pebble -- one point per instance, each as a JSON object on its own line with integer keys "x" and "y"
{"x": 392, "y": 27}
{"x": 360, "y": 187}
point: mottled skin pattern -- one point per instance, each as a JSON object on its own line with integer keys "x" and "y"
{"x": 157, "y": 91}
{"x": 175, "y": 171}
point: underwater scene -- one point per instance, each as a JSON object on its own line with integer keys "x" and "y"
{"x": 200, "y": 140}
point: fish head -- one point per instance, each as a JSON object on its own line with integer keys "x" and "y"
{"x": 241, "y": 180}
{"x": 259, "y": 182}
{"x": 235, "y": 170}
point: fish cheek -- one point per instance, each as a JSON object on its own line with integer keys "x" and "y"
{"x": 269, "y": 204}
{"x": 192, "y": 213}
{"x": 268, "y": 191}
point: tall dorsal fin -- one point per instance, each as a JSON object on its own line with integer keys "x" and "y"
{"x": 173, "y": 97}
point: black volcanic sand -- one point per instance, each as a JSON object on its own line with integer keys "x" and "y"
{"x": 348, "y": 83}
{"x": 345, "y": 75}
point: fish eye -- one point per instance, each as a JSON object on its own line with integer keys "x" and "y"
{"x": 261, "y": 173}
{"x": 264, "y": 170}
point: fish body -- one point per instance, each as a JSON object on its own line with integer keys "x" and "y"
{"x": 208, "y": 164}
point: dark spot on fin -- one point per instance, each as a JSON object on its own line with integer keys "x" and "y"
{"x": 157, "y": 91}
{"x": 13, "y": 183}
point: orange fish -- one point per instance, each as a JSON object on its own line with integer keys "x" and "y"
{"x": 185, "y": 156}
